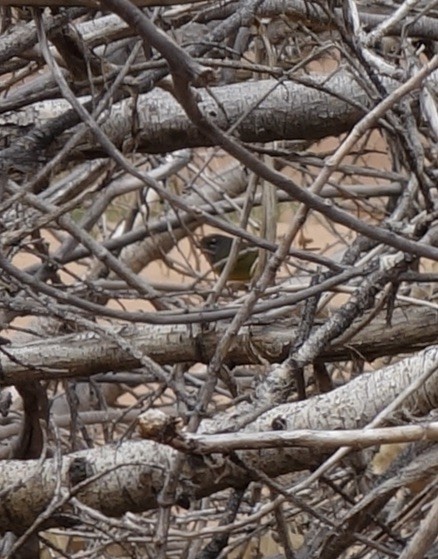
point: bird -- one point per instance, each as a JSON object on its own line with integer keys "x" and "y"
{"x": 216, "y": 249}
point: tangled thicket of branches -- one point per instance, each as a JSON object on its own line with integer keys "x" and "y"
{"x": 152, "y": 408}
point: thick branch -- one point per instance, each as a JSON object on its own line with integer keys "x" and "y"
{"x": 274, "y": 110}
{"x": 86, "y": 354}
{"x": 130, "y": 476}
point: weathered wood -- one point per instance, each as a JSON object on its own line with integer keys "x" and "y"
{"x": 86, "y": 354}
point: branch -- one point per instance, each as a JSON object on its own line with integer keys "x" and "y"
{"x": 320, "y": 107}
{"x": 129, "y": 477}
{"x": 87, "y": 353}
{"x": 355, "y": 438}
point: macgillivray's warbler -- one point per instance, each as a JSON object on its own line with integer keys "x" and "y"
{"x": 216, "y": 249}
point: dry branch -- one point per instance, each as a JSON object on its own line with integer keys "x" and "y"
{"x": 274, "y": 110}
{"x": 86, "y": 354}
{"x": 131, "y": 475}
{"x": 75, "y": 238}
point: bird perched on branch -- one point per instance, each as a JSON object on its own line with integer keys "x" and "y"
{"x": 216, "y": 249}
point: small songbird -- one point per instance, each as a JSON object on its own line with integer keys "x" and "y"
{"x": 216, "y": 248}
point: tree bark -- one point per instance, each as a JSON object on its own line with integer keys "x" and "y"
{"x": 129, "y": 476}
{"x": 86, "y": 354}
